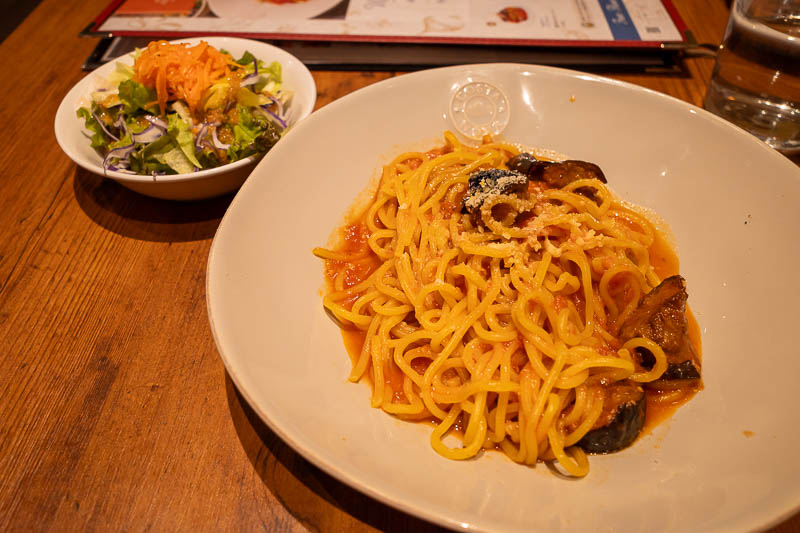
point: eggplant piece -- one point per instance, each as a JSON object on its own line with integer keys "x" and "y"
{"x": 680, "y": 371}
{"x": 621, "y": 421}
{"x": 527, "y": 164}
{"x": 558, "y": 174}
{"x": 484, "y": 184}
{"x": 661, "y": 317}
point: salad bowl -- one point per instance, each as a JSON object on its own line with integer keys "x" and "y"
{"x": 74, "y": 138}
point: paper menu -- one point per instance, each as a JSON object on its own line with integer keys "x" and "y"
{"x": 523, "y": 22}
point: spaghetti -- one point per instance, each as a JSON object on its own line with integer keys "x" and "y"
{"x": 496, "y": 313}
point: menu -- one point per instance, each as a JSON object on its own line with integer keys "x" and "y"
{"x": 572, "y": 23}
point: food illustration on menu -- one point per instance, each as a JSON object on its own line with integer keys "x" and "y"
{"x": 509, "y": 297}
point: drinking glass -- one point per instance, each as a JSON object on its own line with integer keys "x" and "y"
{"x": 756, "y": 78}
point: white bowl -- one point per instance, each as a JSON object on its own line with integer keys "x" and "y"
{"x": 196, "y": 185}
{"x": 725, "y": 462}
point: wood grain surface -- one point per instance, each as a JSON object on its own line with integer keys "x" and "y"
{"x": 115, "y": 410}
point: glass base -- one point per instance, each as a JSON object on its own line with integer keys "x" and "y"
{"x": 773, "y": 120}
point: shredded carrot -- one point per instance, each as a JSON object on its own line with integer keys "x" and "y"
{"x": 183, "y": 72}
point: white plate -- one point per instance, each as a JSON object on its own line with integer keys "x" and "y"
{"x": 732, "y": 204}
{"x": 205, "y": 183}
{"x": 258, "y": 9}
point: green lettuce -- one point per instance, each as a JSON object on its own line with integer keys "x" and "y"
{"x": 246, "y": 59}
{"x": 274, "y": 70}
{"x": 248, "y": 98}
{"x": 217, "y": 94}
{"x": 161, "y": 156}
{"x": 253, "y": 134}
{"x": 125, "y": 141}
{"x": 176, "y": 159}
{"x": 135, "y": 96}
{"x": 99, "y": 138}
{"x": 182, "y": 133}
{"x": 121, "y": 73}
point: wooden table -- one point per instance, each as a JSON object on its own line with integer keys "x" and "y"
{"x": 115, "y": 409}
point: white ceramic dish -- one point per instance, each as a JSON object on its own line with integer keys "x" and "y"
{"x": 261, "y": 9}
{"x": 725, "y": 462}
{"x": 205, "y": 183}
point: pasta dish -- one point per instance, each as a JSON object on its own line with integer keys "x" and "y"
{"x": 515, "y": 302}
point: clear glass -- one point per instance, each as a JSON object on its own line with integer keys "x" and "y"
{"x": 756, "y": 78}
